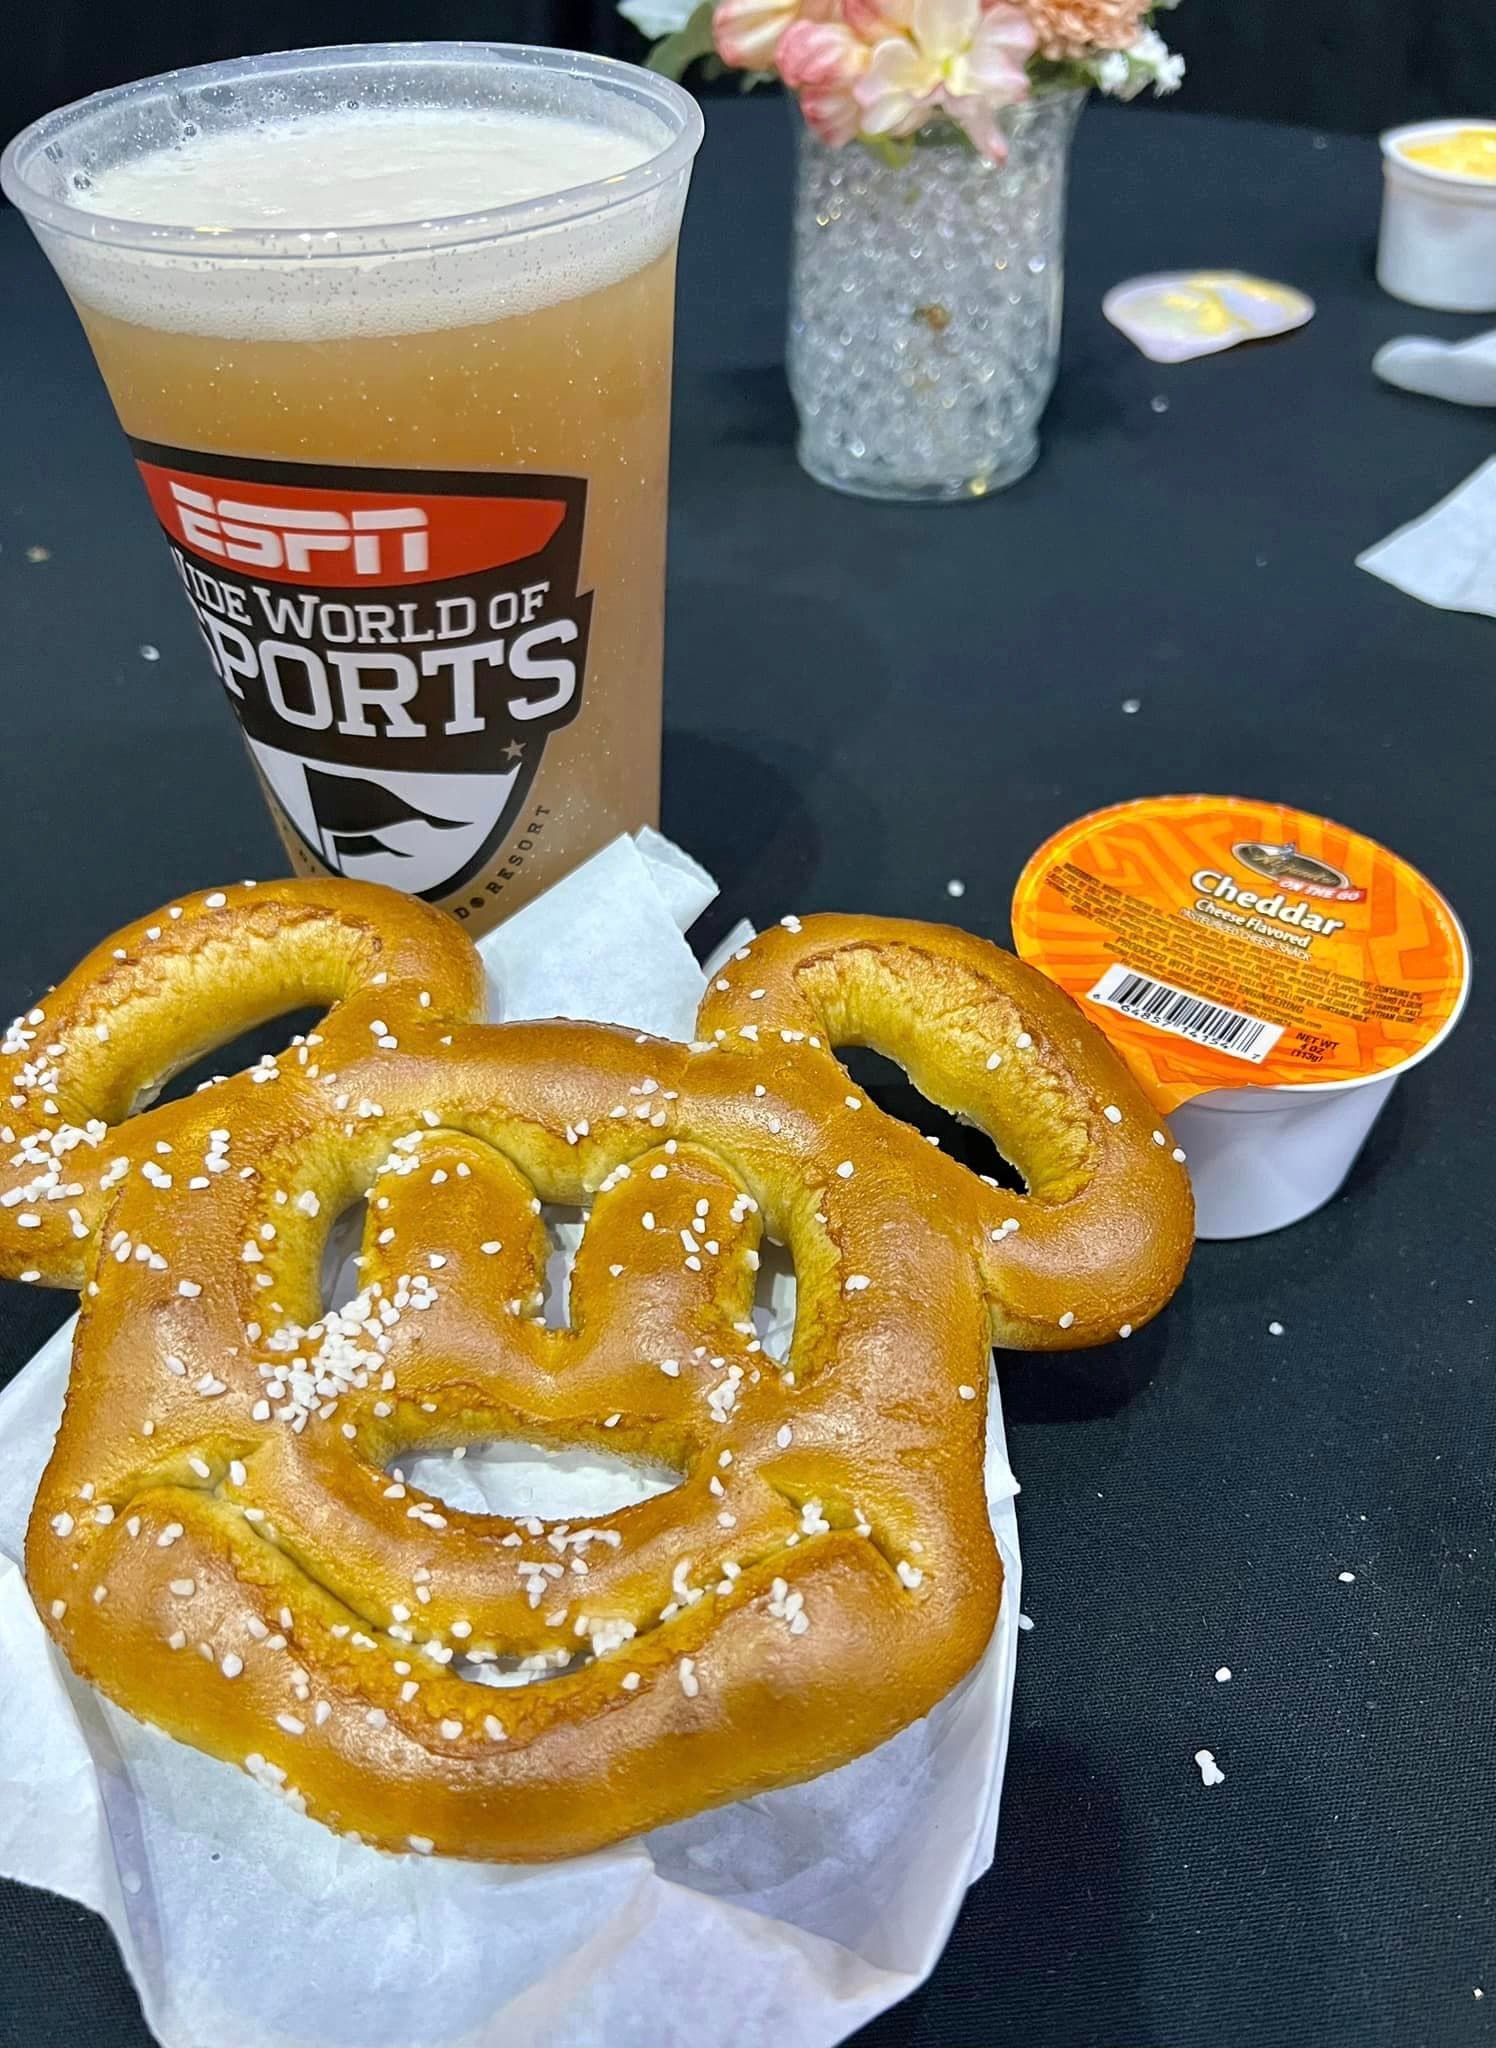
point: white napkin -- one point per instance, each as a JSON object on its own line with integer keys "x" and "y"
{"x": 609, "y": 937}
{"x": 1448, "y": 556}
{"x": 1463, "y": 372}
{"x": 790, "y": 1919}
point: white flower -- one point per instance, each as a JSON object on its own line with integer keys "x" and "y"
{"x": 1148, "y": 61}
{"x": 1152, "y": 54}
{"x": 657, "y": 17}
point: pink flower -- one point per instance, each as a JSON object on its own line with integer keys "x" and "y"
{"x": 747, "y": 32}
{"x": 1075, "y": 28}
{"x": 875, "y": 19}
{"x": 952, "y": 56}
{"x": 821, "y": 61}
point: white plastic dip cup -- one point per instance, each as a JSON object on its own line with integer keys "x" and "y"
{"x": 1262, "y": 1158}
{"x": 1438, "y": 241}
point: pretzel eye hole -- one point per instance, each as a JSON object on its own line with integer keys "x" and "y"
{"x": 338, "y": 1279}
{"x": 565, "y": 1224}
{"x": 775, "y": 1295}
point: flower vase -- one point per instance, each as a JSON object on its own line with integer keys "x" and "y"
{"x": 925, "y": 306}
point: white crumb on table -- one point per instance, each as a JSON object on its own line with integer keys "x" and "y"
{"x": 1223, "y": 1676}
{"x": 1210, "y": 1771}
{"x": 1025, "y": 1621}
{"x": 955, "y": 887}
{"x": 1275, "y": 1329}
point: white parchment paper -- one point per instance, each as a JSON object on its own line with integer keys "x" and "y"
{"x": 790, "y": 1919}
{"x": 1446, "y": 557}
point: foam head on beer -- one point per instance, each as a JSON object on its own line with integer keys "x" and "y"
{"x": 350, "y": 181}
{"x": 361, "y": 170}
{"x": 390, "y": 332}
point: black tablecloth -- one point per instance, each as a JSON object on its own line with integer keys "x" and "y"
{"x": 863, "y": 703}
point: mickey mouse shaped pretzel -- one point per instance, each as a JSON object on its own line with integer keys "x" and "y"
{"x": 223, "y": 1542}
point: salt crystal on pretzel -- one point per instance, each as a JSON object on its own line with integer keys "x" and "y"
{"x": 765, "y": 1620}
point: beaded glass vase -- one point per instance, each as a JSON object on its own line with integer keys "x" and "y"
{"x": 925, "y": 307}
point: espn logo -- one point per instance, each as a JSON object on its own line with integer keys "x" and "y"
{"x": 299, "y": 539}
{"x": 337, "y": 530}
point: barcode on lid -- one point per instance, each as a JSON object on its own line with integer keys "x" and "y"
{"x": 1187, "y": 1016}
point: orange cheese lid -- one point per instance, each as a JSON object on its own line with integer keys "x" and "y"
{"x": 1225, "y": 943}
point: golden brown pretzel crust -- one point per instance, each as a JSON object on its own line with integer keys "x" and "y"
{"x": 219, "y": 1543}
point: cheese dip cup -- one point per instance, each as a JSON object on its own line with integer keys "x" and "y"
{"x": 1438, "y": 245}
{"x": 1267, "y": 975}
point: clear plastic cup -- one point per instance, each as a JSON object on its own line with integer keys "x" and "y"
{"x": 390, "y": 330}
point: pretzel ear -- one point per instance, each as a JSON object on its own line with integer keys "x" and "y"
{"x": 1101, "y": 1239}
{"x": 162, "y": 992}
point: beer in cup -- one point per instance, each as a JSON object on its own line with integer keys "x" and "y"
{"x": 390, "y": 332}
